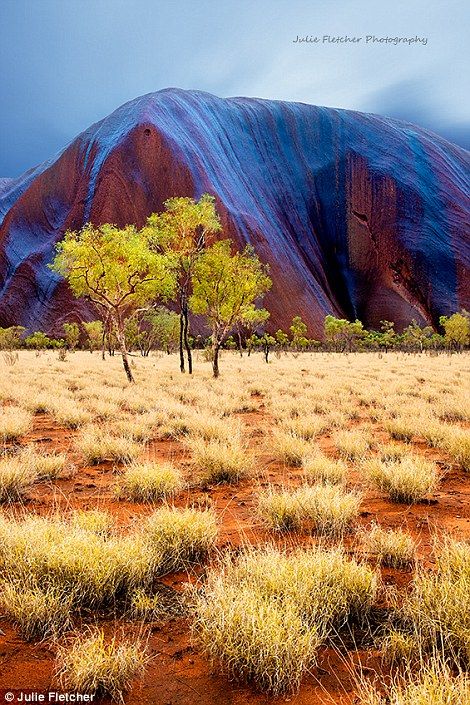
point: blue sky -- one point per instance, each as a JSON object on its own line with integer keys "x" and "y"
{"x": 67, "y": 63}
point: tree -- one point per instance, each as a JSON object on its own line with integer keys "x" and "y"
{"x": 117, "y": 270}
{"x": 184, "y": 229}
{"x": 225, "y": 290}
{"x": 282, "y": 339}
{"x": 267, "y": 341}
{"x": 40, "y": 341}
{"x": 10, "y": 338}
{"x": 388, "y": 337}
{"x": 72, "y": 335}
{"x": 416, "y": 337}
{"x": 253, "y": 321}
{"x": 298, "y": 331}
{"x": 343, "y": 334}
{"x": 160, "y": 330}
{"x": 95, "y": 334}
{"x": 456, "y": 329}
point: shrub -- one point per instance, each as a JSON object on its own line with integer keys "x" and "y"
{"x": 38, "y": 612}
{"x": 352, "y": 444}
{"x": 391, "y": 547}
{"x": 14, "y": 423}
{"x": 320, "y": 468}
{"x": 90, "y": 665}
{"x": 219, "y": 461}
{"x": 181, "y": 536}
{"x": 408, "y": 479}
{"x": 147, "y": 482}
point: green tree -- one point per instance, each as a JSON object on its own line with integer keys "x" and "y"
{"x": 184, "y": 229}
{"x": 417, "y": 338}
{"x": 95, "y": 334}
{"x": 456, "y": 329}
{"x": 388, "y": 336}
{"x": 226, "y": 288}
{"x": 162, "y": 326}
{"x": 117, "y": 270}
{"x": 10, "y": 338}
{"x": 72, "y": 335}
{"x": 298, "y": 331}
{"x": 343, "y": 334}
{"x": 282, "y": 339}
{"x": 39, "y": 341}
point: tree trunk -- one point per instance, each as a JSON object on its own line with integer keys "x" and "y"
{"x": 215, "y": 358}
{"x": 181, "y": 342}
{"x": 122, "y": 346}
{"x": 240, "y": 346}
{"x": 266, "y": 353}
{"x": 185, "y": 338}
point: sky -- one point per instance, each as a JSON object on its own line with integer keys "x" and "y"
{"x": 65, "y": 64}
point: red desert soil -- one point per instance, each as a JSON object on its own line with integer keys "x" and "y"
{"x": 178, "y": 674}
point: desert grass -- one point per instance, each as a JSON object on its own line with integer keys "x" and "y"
{"x": 433, "y": 684}
{"x": 39, "y": 613}
{"x": 181, "y": 536}
{"x": 320, "y": 468}
{"x": 91, "y": 664}
{"x": 408, "y": 479}
{"x": 390, "y": 547}
{"x": 290, "y": 448}
{"x": 45, "y": 466}
{"x": 219, "y": 461}
{"x": 16, "y": 477}
{"x": 352, "y": 445}
{"x": 96, "y": 521}
{"x": 262, "y": 617}
{"x": 149, "y": 482}
{"x": 14, "y": 423}
{"x": 98, "y": 444}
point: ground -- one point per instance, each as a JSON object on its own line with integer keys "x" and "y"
{"x": 356, "y": 391}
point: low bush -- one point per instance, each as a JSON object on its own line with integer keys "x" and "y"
{"x": 14, "y": 423}
{"x": 352, "y": 445}
{"x": 320, "y": 468}
{"x": 38, "y": 612}
{"x": 219, "y": 461}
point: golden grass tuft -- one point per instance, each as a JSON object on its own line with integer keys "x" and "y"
{"x": 409, "y": 479}
{"x": 219, "y": 461}
{"x": 320, "y": 468}
{"x": 352, "y": 445}
{"x": 98, "y": 444}
{"x": 90, "y": 664}
{"x": 14, "y": 423}
{"x": 16, "y": 477}
{"x": 290, "y": 448}
{"x": 262, "y": 617}
{"x": 148, "y": 482}
{"x": 390, "y": 547}
{"x": 39, "y": 613}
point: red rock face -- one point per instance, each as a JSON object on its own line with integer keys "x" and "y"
{"x": 357, "y": 215}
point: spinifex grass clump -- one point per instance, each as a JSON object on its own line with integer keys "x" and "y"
{"x": 391, "y": 547}
{"x": 262, "y": 617}
{"x": 148, "y": 482}
{"x": 220, "y": 461}
{"x": 99, "y": 444}
{"x": 90, "y": 664}
{"x": 433, "y": 684}
{"x": 290, "y": 448}
{"x": 437, "y": 610}
{"x": 320, "y": 468}
{"x": 408, "y": 479}
{"x": 181, "y": 536}
{"x": 38, "y": 612}
{"x": 16, "y": 477}
{"x": 352, "y": 445}
{"x": 329, "y": 509}
{"x": 80, "y": 559}
{"x": 14, "y": 423}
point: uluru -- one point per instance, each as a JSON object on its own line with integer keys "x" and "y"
{"x": 358, "y": 215}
